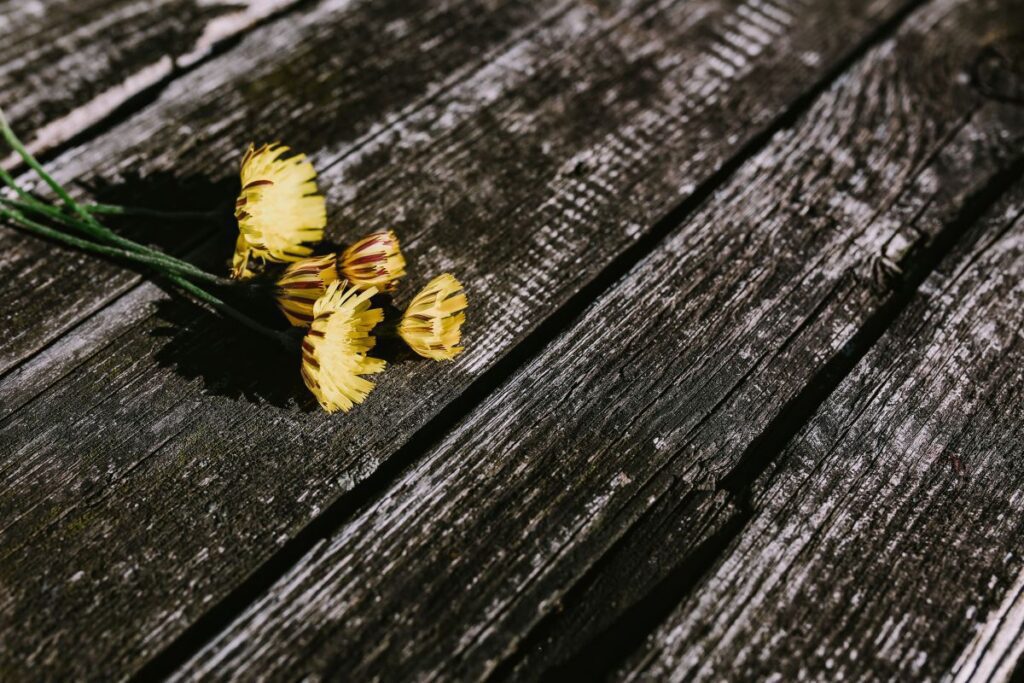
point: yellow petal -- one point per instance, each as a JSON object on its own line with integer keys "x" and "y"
{"x": 374, "y": 261}
{"x": 280, "y": 212}
{"x": 432, "y": 325}
{"x": 334, "y": 350}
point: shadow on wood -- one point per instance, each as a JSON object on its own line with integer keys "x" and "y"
{"x": 257, "y": 369}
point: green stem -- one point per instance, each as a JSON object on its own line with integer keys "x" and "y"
{"x": 88, "y": 223}
{"x": 85, "y": 245}
{"x": 33, "y": 205}
{"x": 118, "y": 210}
{"x": 33, "y": 163}
{"x": 9, "y": 181}
{"x": 132, "y": 250}
{"x": 180, "y": 279}
{"x": 152, "y": 257}
{"x": 92, "y": 229}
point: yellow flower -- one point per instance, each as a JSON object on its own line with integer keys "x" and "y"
{"x": 279, "y": 210}
{"x": 240, "y": 261}
{"x": 374, "y": 261}
{"x": 301, "y": 284}
{"x": 334, "y": 350}
{"x": 432, "y": 324}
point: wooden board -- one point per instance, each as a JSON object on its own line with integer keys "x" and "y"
{"x": 306, "y": 78}
{"x": 653, "y": 399}
{"x": 65, "y": 65}
{"x": 887, "y": 538}
{"x": 189, "y": 472}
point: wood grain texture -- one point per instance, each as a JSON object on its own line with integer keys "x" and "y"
{"x": 404, "y": 56}
{"x": 526, "y": 178}
{"x": 66, "y": 64}
{"x": 653, "y": 395}
{"x": 327, "y": 81}
{"x": 887, "y": 540}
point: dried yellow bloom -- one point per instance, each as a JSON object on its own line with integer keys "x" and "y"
{"x": 279, "y": 211}
{"x": 301, "y": 284}
{"x": 374, "y": 261}
{"x": 334, "y": 350}
{"x": 432, "y": 324}
{"x": 241, "y": 260}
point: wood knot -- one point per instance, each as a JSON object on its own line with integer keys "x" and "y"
{"x": 885, "y": 267}
{"x": 998, "y": 68}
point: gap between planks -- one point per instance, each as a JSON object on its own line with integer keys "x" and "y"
{"x": 939, "y": 305}
{"x": 198, "y": 247}
{"x": 613, "y": 646}
{"x": 978, "y": 199}
{"x": 793, "y": 416}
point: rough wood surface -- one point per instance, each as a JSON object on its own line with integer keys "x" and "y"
{"x": 328, "y": 81}
{"x": 526, "y": 177}
{"x": 655, "y": 393}
{"x": 887, "y": 541}
{"x": 254, "y": 91}
{"x": 65, "y": 64}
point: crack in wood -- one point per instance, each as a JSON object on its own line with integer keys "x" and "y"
{"x": 614, "y": 645}
{"x": 553, "y": 242}
{"x": 605, "y": 648}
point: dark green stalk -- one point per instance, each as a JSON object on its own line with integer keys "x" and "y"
{"x": 155, "y": 258}
{"x": 223, "y": 308}
{"x": 29, "y": 225}
{"x": 180, "y": 279}
{"x": 11, "y": 139}
{"x": 131, "y": 250}
{"x": 30, "y": 203}
{"x": 93, "y": 229}
{"x": 9, "y": 181}
{"x": 117, "y": 210}
{"x": 87, "y": 223}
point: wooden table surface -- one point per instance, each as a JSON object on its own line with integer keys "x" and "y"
{"x": 743, "y": 394}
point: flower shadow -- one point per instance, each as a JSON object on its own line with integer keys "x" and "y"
{"x": 229, "y": 359}
{"x": 173, "y": 194}
{"x": 390, "y": 348}
{"x": 236, "y": 363}
{"x": 198, "y": 344}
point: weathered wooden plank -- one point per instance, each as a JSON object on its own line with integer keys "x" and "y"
{"x": 527, "y": 179}
{"x": 328, "y": 80}
{"x": 655, "y": 392}
{"x": 886, "y": 544}
{"x": 410, "y": 55}
{"x": 66, "y": 64}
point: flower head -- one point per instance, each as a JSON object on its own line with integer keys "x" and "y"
{"x": 334, "y": 350}
{"x": 279, "y": 210}
{"x": 301, "y": 284}
{"x": 374, "y": 261}
{"x": 432, "y": 324}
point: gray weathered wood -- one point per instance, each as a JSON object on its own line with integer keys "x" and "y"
{"x": 887, "y": 541}
{"x": 327, "y": 81}
{"x": 649, "y": 400}
{"x": 65, "y": 64}
{"x": 526, "y": 179}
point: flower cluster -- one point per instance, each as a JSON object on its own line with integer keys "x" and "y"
{"x": 281, "y": 218}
